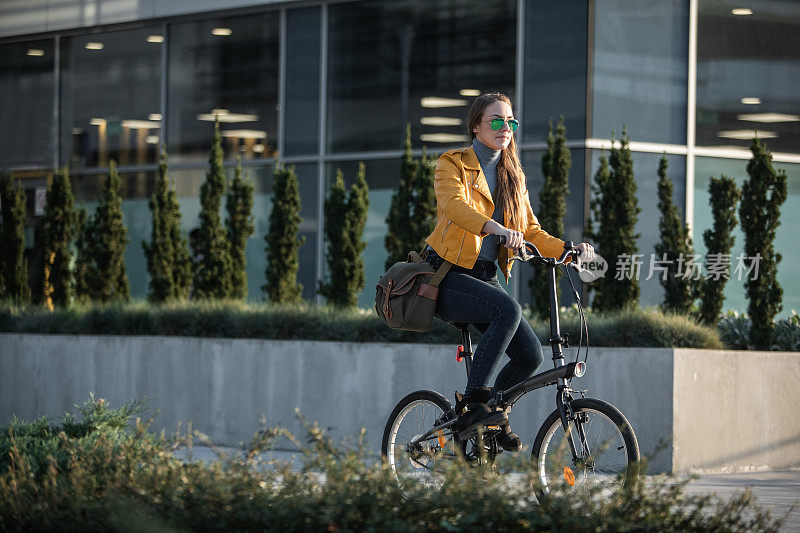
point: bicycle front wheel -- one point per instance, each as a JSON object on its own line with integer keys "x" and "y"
{"x": 605, "y": 446}
{"x": 418, "y": 463}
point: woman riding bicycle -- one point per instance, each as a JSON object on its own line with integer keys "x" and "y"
{"x": 481, "y": 195}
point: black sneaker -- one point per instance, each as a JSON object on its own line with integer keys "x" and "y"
{"x": 508, "y": 440}
{"x": 478, "y": 414}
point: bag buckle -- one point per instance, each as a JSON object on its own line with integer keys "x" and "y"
{"x": 386, "y": 300}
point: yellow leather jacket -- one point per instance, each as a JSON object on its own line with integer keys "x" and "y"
{"x": 464, "y": 204}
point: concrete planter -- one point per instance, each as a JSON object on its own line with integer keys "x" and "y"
{"x": 725, "y": 410}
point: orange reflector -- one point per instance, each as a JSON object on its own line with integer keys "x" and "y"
{"x": 569, "y": 476}
{"x": 493, "y": 427}
{"x": 442, "y": 438}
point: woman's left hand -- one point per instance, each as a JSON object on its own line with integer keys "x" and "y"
{"x": 585, "y": 251}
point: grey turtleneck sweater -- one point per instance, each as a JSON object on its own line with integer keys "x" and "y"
{"x": 488, "y": 159}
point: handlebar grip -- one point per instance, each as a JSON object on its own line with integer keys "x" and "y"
{"x": 573, "y": 253}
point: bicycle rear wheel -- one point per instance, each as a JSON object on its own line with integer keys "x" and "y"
{"x": 418, "y": 464}
{"x": 606, "y": 447}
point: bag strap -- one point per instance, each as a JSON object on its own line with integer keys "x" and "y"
{"x": 437, "y": 278}
{"x": 417, "y": 257}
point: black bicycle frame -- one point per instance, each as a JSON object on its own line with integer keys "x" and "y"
{"x": 559, "y": 375}
{"x": 561, "y": 371}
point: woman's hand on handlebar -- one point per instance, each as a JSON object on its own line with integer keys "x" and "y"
{"x": 514, "y": 240}
{"x": 585, "y": 252}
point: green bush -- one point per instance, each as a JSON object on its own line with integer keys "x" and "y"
{"x": 786, "y": 335}
{"x": 632, "y": 326}
{"x": 43, "y": 443}
{"x": 629, "y": 327}
{"x": 129, "y": 480}
{"x": 735, "y": 328}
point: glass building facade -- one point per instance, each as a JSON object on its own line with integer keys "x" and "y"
{"x": 324, "y": 85}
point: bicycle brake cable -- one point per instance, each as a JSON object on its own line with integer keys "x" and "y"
{"x": 582, "y": 323}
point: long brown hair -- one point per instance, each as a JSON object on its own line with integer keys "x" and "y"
{"x": 510, "y": 178}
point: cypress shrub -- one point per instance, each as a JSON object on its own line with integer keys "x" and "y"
{"x": 400, "y": 236}
{"x": 13, "y": 266}
{"x": 556, "y": 163}
{"x": 674, "y": 248}
{"x": 168, "y": 260}
{"x": 83, "y": 260}
{"x": 423, "y": 202}
{"x": 345, "y": 219}
{"x": 357, "y": 208}
{"x": 213, "y": 272}
{"x": 616, "y": 210}
{"x": 759, "y": 211}
{"x": 239, "y": 205}
{"x": 37, "y": 268}
{"x": 723, "y": 196}
{"x": 283, "y": 245}
{"x": 59, "y": 231}
{"x": 107, "y": 241}
{"x": 335, "y": 210}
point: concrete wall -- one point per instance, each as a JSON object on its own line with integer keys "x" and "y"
{"x": 727, "y": 410}
{"x": 736, "y": 410}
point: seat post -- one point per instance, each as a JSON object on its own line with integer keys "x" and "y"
{"x": 466, "y": 342}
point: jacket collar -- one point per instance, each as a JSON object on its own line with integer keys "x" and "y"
{"x": 470, "y": 159}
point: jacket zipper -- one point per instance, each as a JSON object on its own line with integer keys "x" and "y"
{"x": 462, "y": 246}
{"x": 470, "y": 183}
{"x": 445, "y": 229}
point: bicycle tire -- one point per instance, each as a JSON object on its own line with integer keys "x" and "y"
{"x": 417, "y": 471}
{"x": 603, "y": 474}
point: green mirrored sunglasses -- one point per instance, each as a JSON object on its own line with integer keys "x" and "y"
{"x": 497, "y": 123}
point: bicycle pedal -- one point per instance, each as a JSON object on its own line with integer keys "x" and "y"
{"x": 471, "y": 433}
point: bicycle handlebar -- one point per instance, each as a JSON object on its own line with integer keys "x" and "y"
{"x": 523, "y": 253}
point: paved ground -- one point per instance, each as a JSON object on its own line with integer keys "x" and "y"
{"x": 776, "y": 491}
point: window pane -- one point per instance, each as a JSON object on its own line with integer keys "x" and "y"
{"x": 301, "y": 123}
{"x": 573, "y": 221}
{"x": 640, "y": 69}
{"x": 110, "y": 98}
{"x": 748, "y": 74}
{"x": 26, "y": 98}
{"x": 555, "y": 67}
{"x": 133, "y": 186}
{"x": 392, "y": 63}
{"x": 226, "y": 68}
{"x": 785, "y": 236}
{"x": 645, "y": 168}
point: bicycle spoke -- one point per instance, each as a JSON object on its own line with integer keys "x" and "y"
{"x": 602, "y": 452}
{"x": 422, "y": 465}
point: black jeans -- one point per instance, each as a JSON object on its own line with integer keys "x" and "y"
{"x": 476, "y": 297}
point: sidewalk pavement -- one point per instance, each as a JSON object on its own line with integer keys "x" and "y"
{"x": 776, "y": 491}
